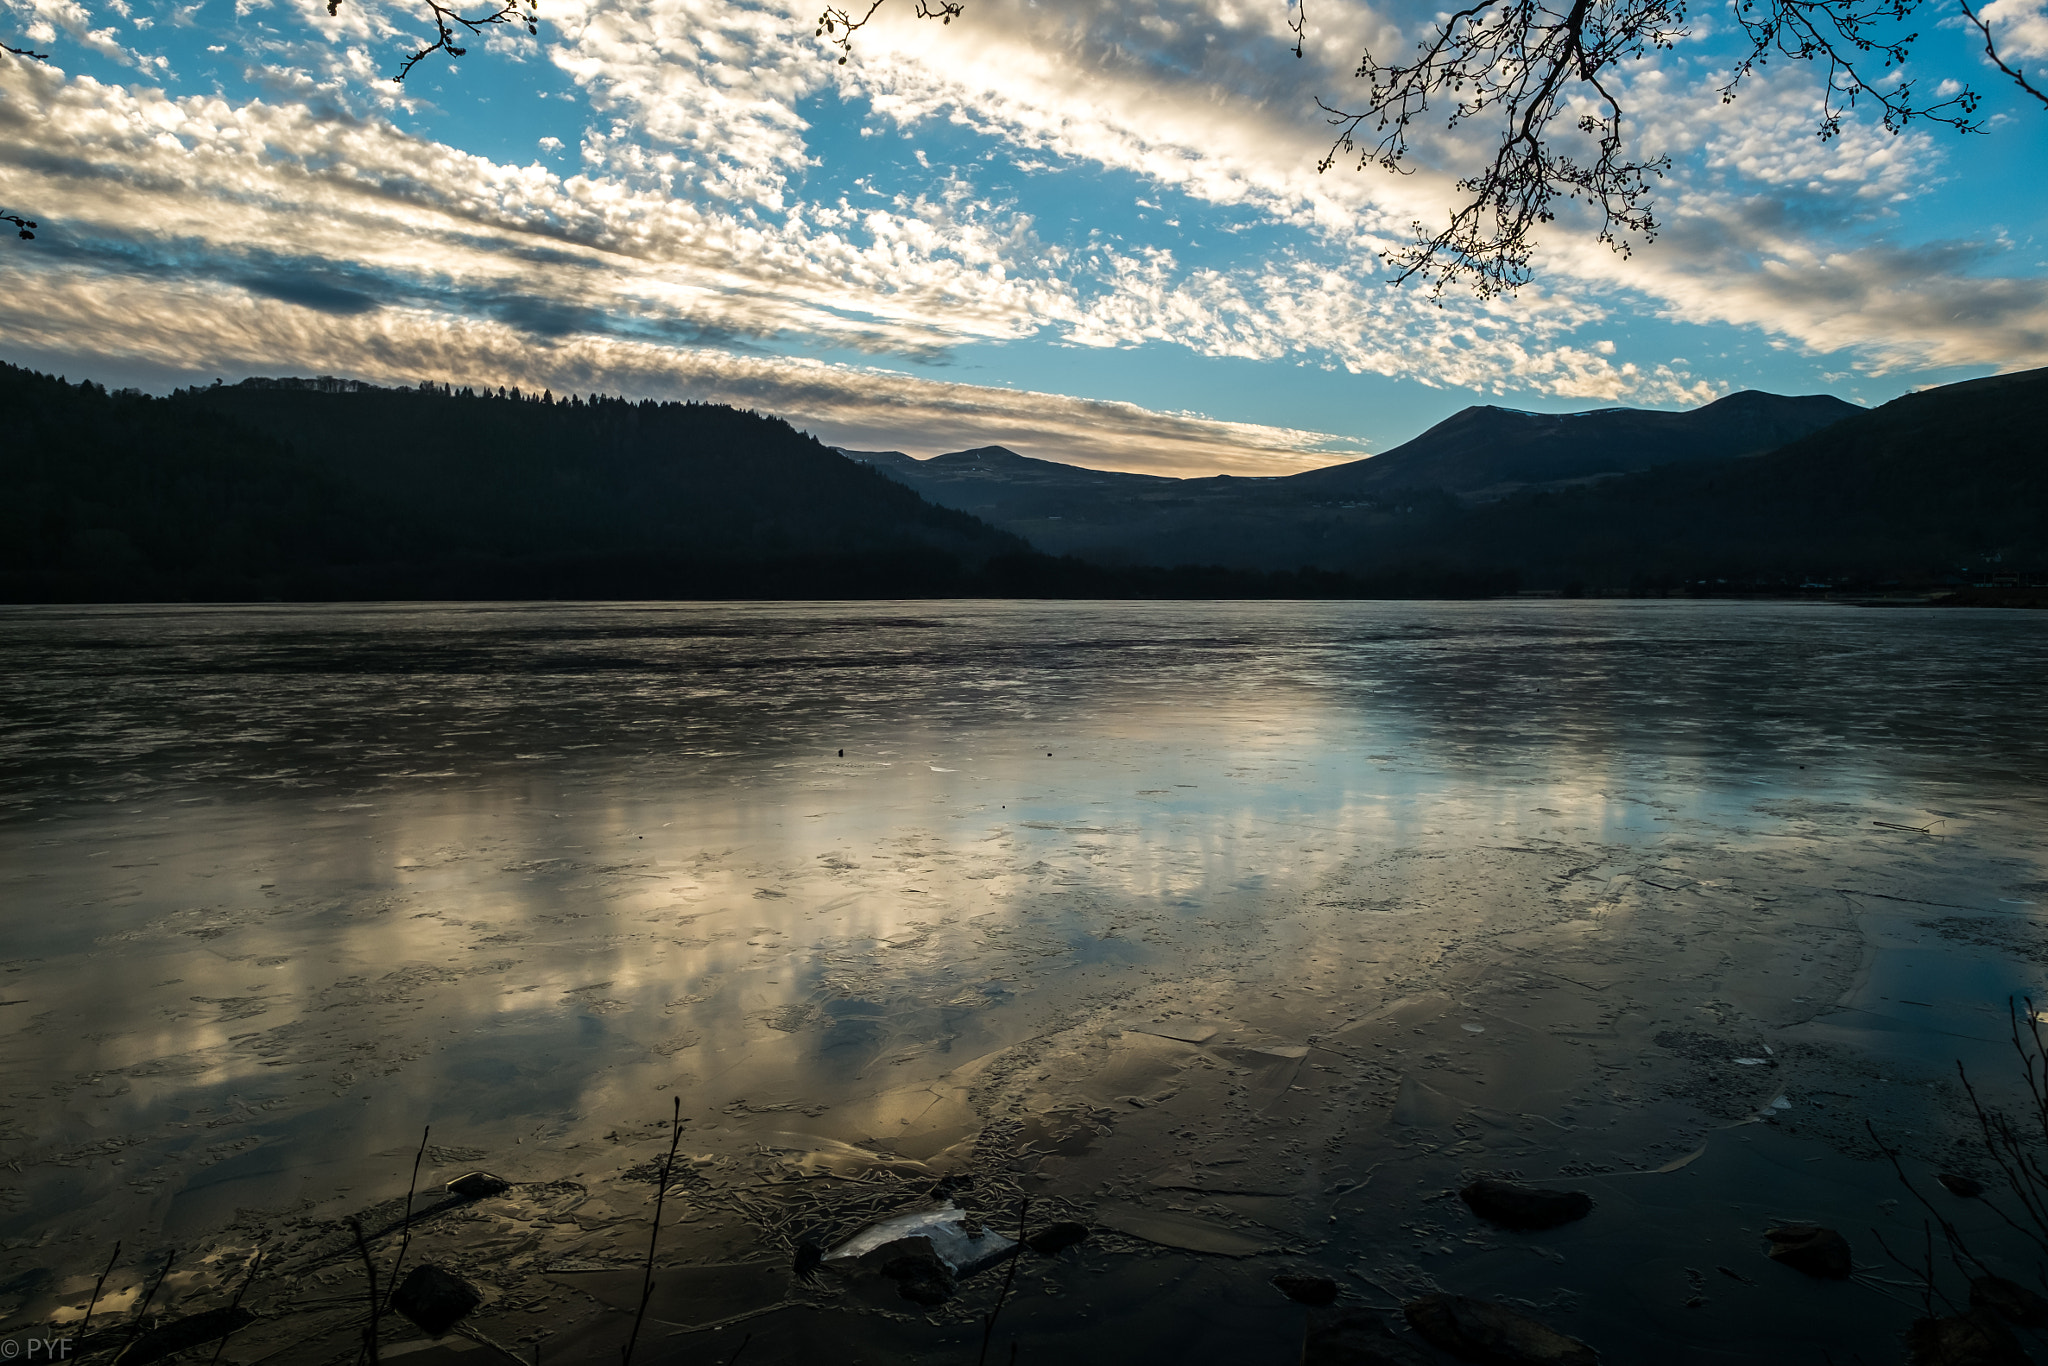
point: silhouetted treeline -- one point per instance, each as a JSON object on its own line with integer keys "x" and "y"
{"x": 326, "y": 490}
{"x": 330, "y": 490}
{"x": 323, "y": 489}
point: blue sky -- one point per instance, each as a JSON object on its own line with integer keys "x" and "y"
{"x": 1089, "y": 231}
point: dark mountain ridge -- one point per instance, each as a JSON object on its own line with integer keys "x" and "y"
{"x": 1948, "y": 485}
{"x": 303, "y": 489}
{"x": 1318, "y": 516}
{"x": 1482, "y": 449}
{"x": 332, "y": 489}
{"x": 996, "y": 481}
{"x": 321, "y": 488}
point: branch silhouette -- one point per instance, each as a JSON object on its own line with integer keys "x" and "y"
{"x": 1545, "y": 77}
{"x": 24, "y": 228}
{"x": 839, "y": 25}
{"x": 447, "y": 19}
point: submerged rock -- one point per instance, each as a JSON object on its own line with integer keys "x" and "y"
{"x": 920, "y": 1276}
{"x": 1362, "y": 1338}
{"x": 1808, "y": 1247}
{"x": 1525, "y": 1208}
{"x": 941, "y": 1230}
{"x": 435, "y": 1300}
{"x": 1967, "y": 1187}
{"x": 809, "y": 1257}
{"x": 927, "y": 1251}
{"x": 1474, "y": 1330}
{"x": 1315, "y": 1291}
{"x": 1054, "y": 1239}
{"x": 2008, "y": 1300}
{"x": 1973, "y": 1339}
{"x": 477, "y": 1185}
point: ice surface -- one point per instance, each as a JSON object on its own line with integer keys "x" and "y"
{"x": 1313, "y": 912}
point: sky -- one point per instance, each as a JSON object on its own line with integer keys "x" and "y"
{"x": 1091, "y": 231}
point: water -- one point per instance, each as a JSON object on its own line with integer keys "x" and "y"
{"x": 890, "y": 891}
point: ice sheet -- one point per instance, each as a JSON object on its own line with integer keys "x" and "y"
{"x": 1270, "y": 920}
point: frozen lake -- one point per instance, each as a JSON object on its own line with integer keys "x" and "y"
{"x": 1240, "y": 932}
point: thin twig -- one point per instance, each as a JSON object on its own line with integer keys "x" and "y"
{"x": 675, "y": 1138}
{"x": 142, "y": 1310}
{"x": 839, "y": 25}
{"x": 236, "y": 1303}
{"x": 988, "y": 1327}
{"x": 1948, "y": 1230}
{"x": 405, "y": 1241}
{"x": 1923, "y": 1280}
{"x": 369, "y": 1267}
{"x": 93, "y": 1303}
{"x": 444, "y": 40}
{"x": 1991, "y": 51}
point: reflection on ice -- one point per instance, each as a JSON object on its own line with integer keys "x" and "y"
{"x": 1239, "y": 930}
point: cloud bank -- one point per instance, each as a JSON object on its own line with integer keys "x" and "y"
{"x": 738, "y": 199}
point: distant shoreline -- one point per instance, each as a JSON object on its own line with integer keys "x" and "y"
{"x": 2022, "y": 598}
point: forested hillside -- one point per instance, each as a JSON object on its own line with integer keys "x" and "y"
{"x": 312, "y": 489}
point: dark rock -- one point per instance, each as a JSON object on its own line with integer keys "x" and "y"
{"x": 921, "y": 1277}
{"x": 1474, "y": 1330}
{"x": 1054, "y": 1239}
{"x": 1973, "y": 1339}
{"x": 809, "y": 1257}
{"x": 1814, "y": 1250}
{"x": 2008, "y": 1300}
{"x": 1525, "y": 1208}
{"x": 477, "y": 1185}
{"x": 1968, "y": 1187}
{"x": 1315, "y": 1291}
{"x": 180, "y": 1335}
{"x": 435, "y": 1300}
{"x": 1362, "y": 1338}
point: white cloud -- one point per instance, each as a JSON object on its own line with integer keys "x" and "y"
{"x": 2020, "y": 27}
{"x": 143, "y": 324}
{"x": 912, "y": 275}
{"x": 695, "y": 217}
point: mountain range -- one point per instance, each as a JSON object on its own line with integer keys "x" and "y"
{"x": 1756, "y": 490}
{"x": 1324, "y": 516}
{"x": 322, "y": 489}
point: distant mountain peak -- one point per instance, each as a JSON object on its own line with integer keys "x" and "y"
{"x": 1490, "y": 448}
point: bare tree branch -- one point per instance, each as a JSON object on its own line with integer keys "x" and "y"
{"x": 1839, "y": 33}
{"x": 1991, "y": 51}
{"x": 1546, "y": 74}
{"x": 839, "y": 25}
{"x": 510, "y": 12}
{"x": 447, "y": 19}
{"x": 1527, "y": 65}
{"x": 24, "y": 228}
